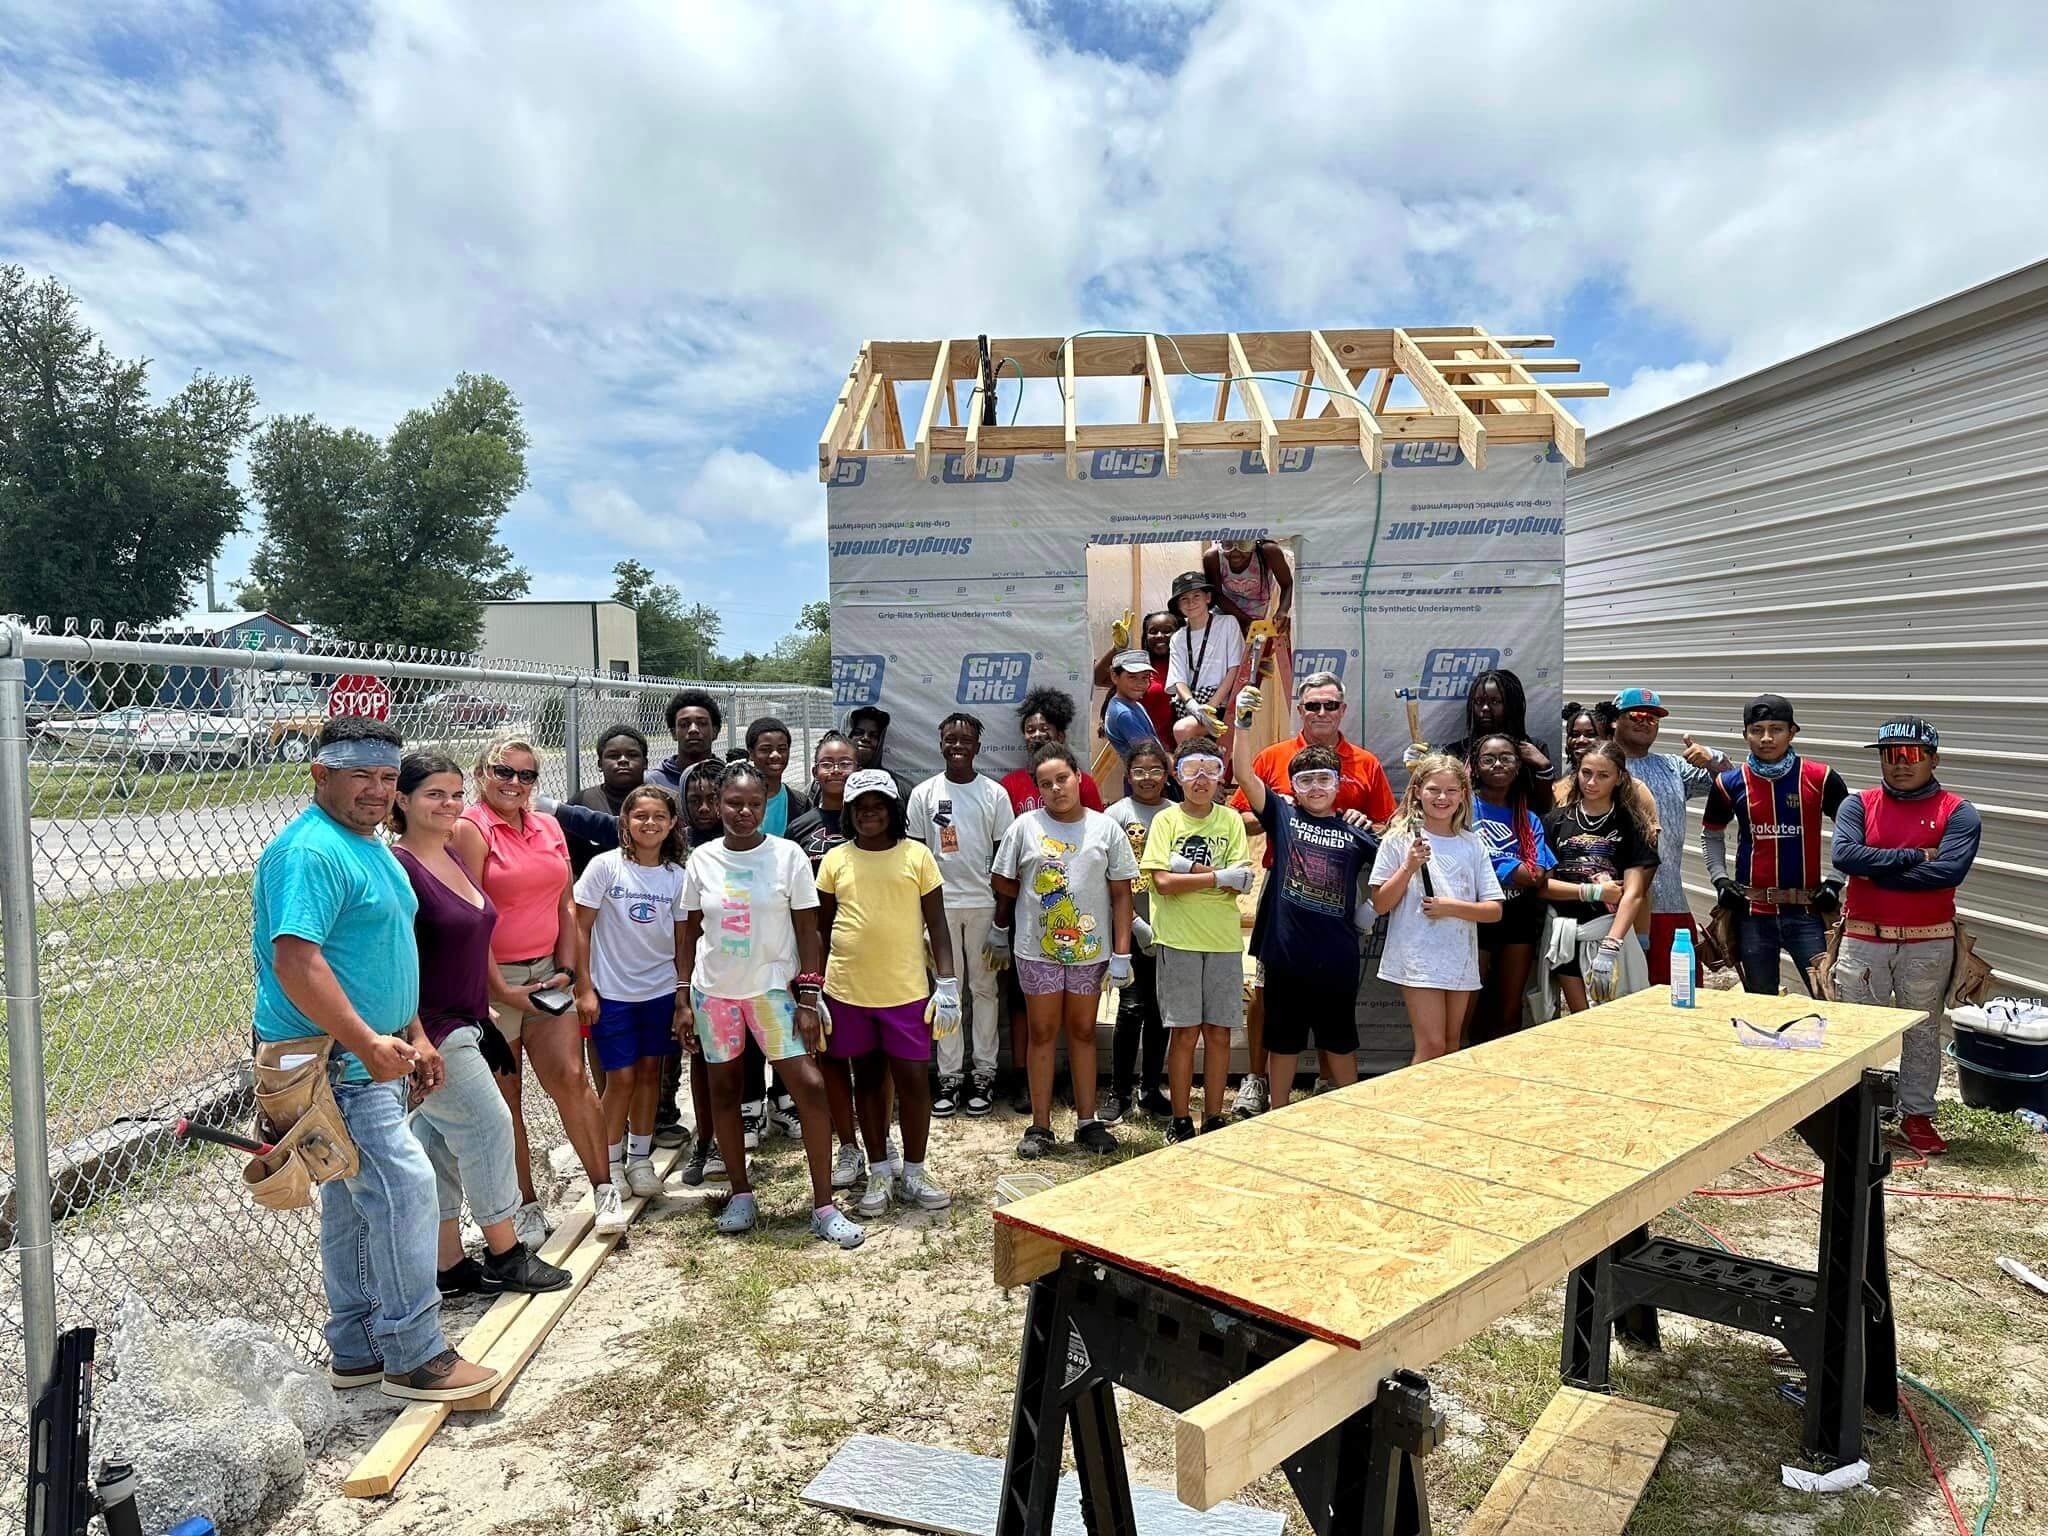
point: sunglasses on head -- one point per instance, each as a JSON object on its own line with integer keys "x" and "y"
{"x": 505, "y": 773}
{"x": 1904, "y": 754}
{"x": 1322, "y": 706}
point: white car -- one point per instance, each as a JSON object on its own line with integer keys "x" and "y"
{"x": 157, "y": 738}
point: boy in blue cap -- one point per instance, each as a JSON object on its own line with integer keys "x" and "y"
{"x": 1672, "y": 780}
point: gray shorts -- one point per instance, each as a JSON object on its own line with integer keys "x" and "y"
{"x": 1201, "y": 987}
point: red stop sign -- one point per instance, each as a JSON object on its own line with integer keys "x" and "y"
{"x": 360, "y": 694}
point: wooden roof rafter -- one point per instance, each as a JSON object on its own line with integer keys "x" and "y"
{"x": 1477, "y": 389}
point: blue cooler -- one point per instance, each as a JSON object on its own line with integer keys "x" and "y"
{"x": 2001, "y": 1055}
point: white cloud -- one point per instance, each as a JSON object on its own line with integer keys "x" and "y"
{"x": 732, "y": 486}
{"x": 602, "y": 509}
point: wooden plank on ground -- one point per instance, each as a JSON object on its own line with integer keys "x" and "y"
{"x": 506, "y": 1336}
{"x": 1580, "y": 1470}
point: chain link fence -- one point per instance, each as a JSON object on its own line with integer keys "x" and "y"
{"x": 140, "y": 778}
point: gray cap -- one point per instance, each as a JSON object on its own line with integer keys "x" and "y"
{"x": 1132, "y": 661}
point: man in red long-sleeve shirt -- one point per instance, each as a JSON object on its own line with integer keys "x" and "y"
{"x": 1905, "y": 847}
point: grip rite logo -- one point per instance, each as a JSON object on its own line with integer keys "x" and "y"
{"x": 857, "y": 680}
{"x": 1306, "y": 662}
{"x": 1127, "y": 464}
{"x": 993, "y": 677}
{"x": 1448, "y": 674}
{"x": 989, "y": 469}
{"x": 1293, "y": 460}
{"x": 1424, "y": 455}
{"x": 849, "y": 472}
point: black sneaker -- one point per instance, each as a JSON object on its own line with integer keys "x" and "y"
{"x": 1110, "y": 1108}
{"x": 465, "y": 1277}
{"x": 1215, "y": 1123}
{"x": 1094, "y": 1136}
{"x": 669, "y": 1130}
{"x": 693, "y": 1170}
{"x": 1020, "y": 1097}
{"x": 947, "y": 1100}
{"x": 1182, "y": 1129}
{"x": 522, "y": 1272}
{"x": 1154, "y": 1103}
{"x": 1037, "y": 1142}
{"x": 981, "y": 1094}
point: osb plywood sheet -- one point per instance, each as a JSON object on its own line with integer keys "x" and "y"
{"x": 1359, "y": 1212}
{"x": 1579, "y": 1472}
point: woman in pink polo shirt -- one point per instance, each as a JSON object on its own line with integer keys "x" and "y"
{"x": 519, "y": 858}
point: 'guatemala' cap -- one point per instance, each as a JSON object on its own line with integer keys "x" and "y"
{"x": 1131, "y": 661}
{"x": 1640, "y": 698}
{"x": 1907, "y": 731}
{"x": 1768, "y": 706}
{"x": 870, "y": 781}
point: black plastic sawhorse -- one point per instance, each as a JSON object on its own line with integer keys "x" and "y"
{"x": 1091, "y": 1326}
{"x": 1836, "y": 1321}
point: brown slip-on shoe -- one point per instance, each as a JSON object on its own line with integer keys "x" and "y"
{"x": 447, "y": 1378}
{"x": 348, "y": 1378}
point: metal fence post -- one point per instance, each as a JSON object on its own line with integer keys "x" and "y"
{"x": 25, "y": 1027}
{"x": 572, "y": 731}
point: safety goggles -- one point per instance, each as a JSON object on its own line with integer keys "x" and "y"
{"x": 1200, "y": 767}
{"x": 1315, "y": 781}
{"x": 1905, "y": 754}
{"x": 505, "y": 773}
{"x": 1322, "y": 706}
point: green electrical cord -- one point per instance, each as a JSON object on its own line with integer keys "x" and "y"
{"x": 1990, "y": 1462}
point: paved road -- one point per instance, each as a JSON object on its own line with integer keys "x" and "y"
{"x": 85, "y": 857}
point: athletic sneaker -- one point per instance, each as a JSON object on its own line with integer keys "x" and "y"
{"x": 530, "y": 1224}
{"x": 693, "y": 1170}
{"x": 465, "y": 1277}
{"x": 518, "y": 1272}
{"x": 641, "y": 1178}
{"x": 876, "y": 1201}
{"x": 1251, "y": 1097}
{"x": 346, "y": 1378}
{"x": 669, "y": 1130}
{"x": 1182, "y": 1129}
{"x": 714, "y": 1165}
{"x": 753, "y": 1119}
{"x": 894, "y": 1148}
{"x": 849, "y": 1166}
{"x": 981, "y": 1094}
{"x": 617, "y": 1171}
{"x": 739, "y": 1215}
{"x": 832, "y": 1227}
{"x": 785, "y": 1121}
{"x": 447, "y": 1378}
{"x": 920, "y": 1191}
{"x": 1020, "y": 1099}
{"x": 1094, "y": 1136}
{"x": 611, "y": 1210}
{"x": 1154, "y": 1103}
{"x": 1918, "y": 1132}
{"x": 1037, "y": 1142}
{"x": 1110, "y": 1108}
{"x": 1215, "y": 1123}
{"x": 947, "y": 1099}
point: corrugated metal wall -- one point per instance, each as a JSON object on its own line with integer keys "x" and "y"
{"x": 1865, "y": 530}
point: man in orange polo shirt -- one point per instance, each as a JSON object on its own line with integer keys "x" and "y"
{"x": 1362, "y": 788}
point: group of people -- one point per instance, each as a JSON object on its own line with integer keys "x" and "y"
{"x": 799, "y": 953}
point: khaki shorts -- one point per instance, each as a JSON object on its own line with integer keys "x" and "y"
{"x": 521, "y": 973}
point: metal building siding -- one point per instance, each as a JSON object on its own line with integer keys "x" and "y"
{"x": 1865, "y": 530}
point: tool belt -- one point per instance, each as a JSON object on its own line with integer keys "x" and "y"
{"x": 297, "y": 1114}
{"x": 1969, "y": 980}
{"x": 1857, "y": 928}
{"x": 1778, "y": 895}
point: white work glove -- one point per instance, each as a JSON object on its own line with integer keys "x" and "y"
{"x": 1238, "y": 877}
{"x": 1141, "y": 934}
{"x": 943, "y": 1011}
{"x": 1119, "y": 971}
{"x": 995, "y": 949}
{"x": 1248, "y": 701}
{"x": 1363, "y": 918}
{"x": 1180, "y": 864}
{"x": 824, "y": 1018}
{"x": 1600, "y": 975}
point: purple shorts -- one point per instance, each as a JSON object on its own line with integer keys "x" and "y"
{"x": 898, "y": 1031}
{"x": 1048, "y": 978}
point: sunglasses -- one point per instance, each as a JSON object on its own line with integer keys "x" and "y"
{"x": 1322, "y": 707}
{"x": 1908, "y": 754}
{"x": 1201, "y": 767}
{"x": 1315, "y": 779}
{"x": 505, "y": 773}
{"x": 1642, "y": 716}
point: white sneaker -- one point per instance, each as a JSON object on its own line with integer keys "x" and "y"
{"x": 922, "y": 1192}
{"x": 611, "y": 1210}
{"x": 895, "y": 1150}
{"x": 784, "y": 1120}
{"x": 641, "y": 1178}
{"x": 849, "y": 1166}
{"x": 530, "y": 1225}
{"x": 617, "y": 1174}
{"x": 753, "y": 1118}
{"x": 876, "y": 1201}
{"x": 714, "y": 1165}
{"x": 1251, "y": 1097}
{"x": 833, "y": 1227}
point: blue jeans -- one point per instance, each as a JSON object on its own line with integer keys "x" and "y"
{"x": 467, "y": 1132}
{"x": 377, "y": 1234}
{"x": 1798, "y": 932}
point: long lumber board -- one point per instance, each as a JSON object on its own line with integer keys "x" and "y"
{"x": 1394, "y": 1219}
{"x": 506, "y": 1337}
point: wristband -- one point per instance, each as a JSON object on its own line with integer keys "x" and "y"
{"x": 810, "y": 979}
{"x": 1589, "y": 893}
{"x": 1610, "y": 942}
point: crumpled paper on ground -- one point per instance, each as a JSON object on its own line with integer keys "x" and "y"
{"x": 218, "y": 1420}
{"x": 1841, "y": 1480}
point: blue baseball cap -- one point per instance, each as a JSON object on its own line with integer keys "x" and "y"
{"x": 1907, "y": 731}
{"x": 1639, "y": 698}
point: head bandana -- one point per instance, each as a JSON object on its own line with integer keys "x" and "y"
{"x": 359, "y": 752}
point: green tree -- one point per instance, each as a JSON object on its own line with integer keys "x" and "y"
{"x": 805, "y": 654}
{"x": 676, "y": 640}
{"x": 393, "y": 542}
{"x": 110, "y": 506}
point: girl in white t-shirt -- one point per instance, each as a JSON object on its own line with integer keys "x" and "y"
{"x": 751, "y": 963}
{"x": 626, "y": 976}
{"x": 1433, "y": 874}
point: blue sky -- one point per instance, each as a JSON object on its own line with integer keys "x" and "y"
{"x": 670, "y": 227}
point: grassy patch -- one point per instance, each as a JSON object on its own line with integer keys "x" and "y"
{"x": 89, "y": 793}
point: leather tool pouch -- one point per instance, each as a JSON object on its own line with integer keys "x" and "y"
{"x": 298, "y": 1115}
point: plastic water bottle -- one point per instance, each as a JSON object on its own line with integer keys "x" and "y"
{"x": 1683, "y": 966}
{"x": 2033, "y": 1119}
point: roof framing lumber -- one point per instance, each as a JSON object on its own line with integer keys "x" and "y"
{"x": 1255, "y": 402}
{"x": 1070, "y": 432}
{"x": 1169, "y": 429}
{"x": 970, "y": 445}
{"x": 1330, "y": 374}
{"x": 1436, "y": 390}
{"x": 837, "y": 434}
{"x": 1566, "y": 432}
{"x": 929, "y": 417}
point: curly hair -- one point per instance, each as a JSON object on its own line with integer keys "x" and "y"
{"x": 1056, "y": 706}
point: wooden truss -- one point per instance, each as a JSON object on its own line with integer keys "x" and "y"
{"x": 1475, "y": 387}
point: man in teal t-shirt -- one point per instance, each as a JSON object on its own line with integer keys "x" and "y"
{"x": 333, "y": 942}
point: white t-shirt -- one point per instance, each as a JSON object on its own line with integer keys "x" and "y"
{"x": 1435, "y": 951}
{"x": 633, "y": 941}
{"x": 748, "y": 945}
{"x": 1063, "y": 911}
{"x": 1204, "y": 659}
{"x": 961, "y": 824}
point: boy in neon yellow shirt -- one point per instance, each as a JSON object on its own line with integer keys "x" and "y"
{"x": 1199, "y": 863}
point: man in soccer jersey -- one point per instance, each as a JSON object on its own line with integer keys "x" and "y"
{"x": 1778, "y": 890}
